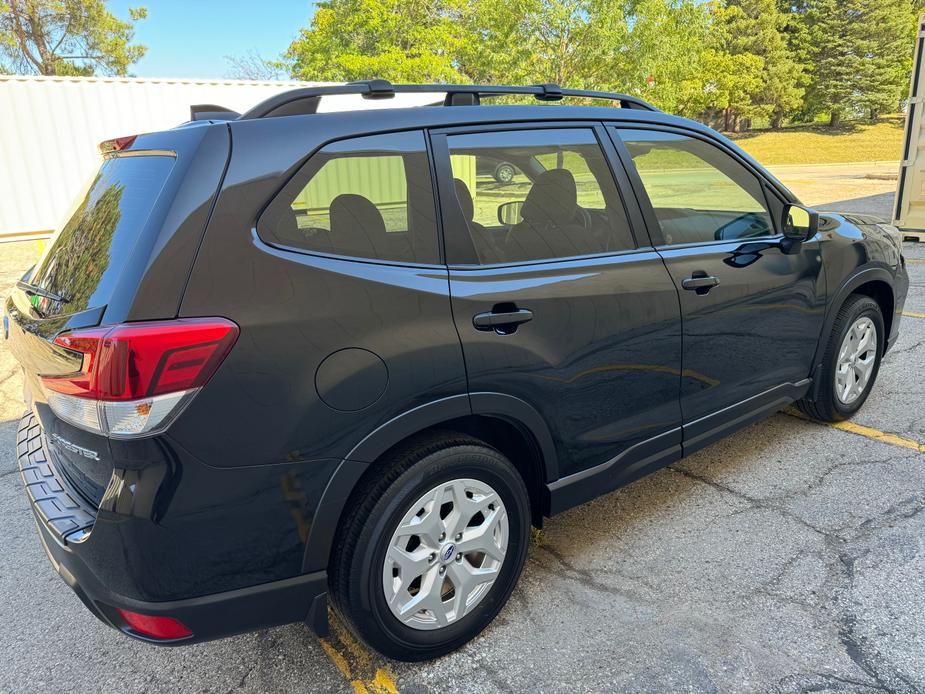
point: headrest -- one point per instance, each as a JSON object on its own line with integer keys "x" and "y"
{"x": 553, "y": 199}
{"x": 356, "y": 223}
{"x": 465, "y": 199}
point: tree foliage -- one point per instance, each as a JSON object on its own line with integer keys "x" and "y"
{"x": 67, "y": 37}
{"x": 858, "y": 54}
{"x": 752, "y": 64}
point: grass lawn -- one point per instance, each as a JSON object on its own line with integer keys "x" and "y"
{"x": 818, "y": 144}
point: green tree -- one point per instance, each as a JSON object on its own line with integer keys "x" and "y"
{"x": 756, "y": 28}
{"x": 887, "y": 55}
{"x": 650, "y": 48}
{"x": 733, "y": 80}
{"x": 568, "y": 42}
{"x": 399, "y": 40}
{"x": 663, "y": 58}
{"x": 859, "y": 55}
{"x": 67, "y": 37}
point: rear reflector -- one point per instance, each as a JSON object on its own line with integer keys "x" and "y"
{"x": 162, "y": 628}
{"x": 136, "y": 377}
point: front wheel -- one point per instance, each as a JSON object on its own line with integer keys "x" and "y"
{"x": 851, "y": 361}
{"x": 433, "y": 548}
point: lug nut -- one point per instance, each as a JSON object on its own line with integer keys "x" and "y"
{"x": 442, "y": 569}
{"x": 458, "y": 537}
{"x": 459, "y": 557}
{"x": 432, "y": 556}
{"x": 442, "y": 537}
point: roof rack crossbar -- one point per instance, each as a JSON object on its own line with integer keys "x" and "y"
{"x": 456, "y": 94}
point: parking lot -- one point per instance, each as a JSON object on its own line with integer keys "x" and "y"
{"x": 788, "y": 558}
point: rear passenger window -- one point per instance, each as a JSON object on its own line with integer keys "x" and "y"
{"x": 537, "y": 194}
{"x": 369, "y": 197}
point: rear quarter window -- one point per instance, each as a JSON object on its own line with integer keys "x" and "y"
{"x": 367, "y": 197}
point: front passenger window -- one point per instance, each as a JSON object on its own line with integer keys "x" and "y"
{"x": 698, "y": 192}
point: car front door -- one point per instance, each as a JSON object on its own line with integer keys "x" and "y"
{"x": 752, "y": 302}
{"x": 558, "y": 303}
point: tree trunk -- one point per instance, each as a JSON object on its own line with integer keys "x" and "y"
{"x": 777, "y": 120}
{"x": 835, "y": 119}
{"x": 727, "y": 119}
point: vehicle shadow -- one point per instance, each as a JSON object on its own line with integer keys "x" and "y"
{"x": 880, "y": 205}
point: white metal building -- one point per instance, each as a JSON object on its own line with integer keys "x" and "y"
{"x": 50, "y": 128}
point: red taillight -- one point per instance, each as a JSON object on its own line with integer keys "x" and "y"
{"x": 163, "y": 628}
{"x": 137, "y": 360}
{"x": 117, "y": 144}
{"x": 135, "y": 377}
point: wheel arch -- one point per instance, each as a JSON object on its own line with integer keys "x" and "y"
{"x": 505, "y": 422}
{"x": 875, "y": 282}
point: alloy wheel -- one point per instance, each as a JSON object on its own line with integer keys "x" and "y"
{"x": 446, "y": 554}
{"x": 856, "y": 359}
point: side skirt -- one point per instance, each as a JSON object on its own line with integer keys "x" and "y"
{"x": 668, "y": 447}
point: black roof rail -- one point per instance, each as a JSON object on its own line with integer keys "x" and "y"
{"x": 211, "y": 112}
{"x": 305, "y": 100}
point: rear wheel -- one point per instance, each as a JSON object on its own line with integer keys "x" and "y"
{"x": 851, "y": 361}
{"x": 433, "y": 548}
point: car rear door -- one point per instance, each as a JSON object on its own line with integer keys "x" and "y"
{"x": 563, "y": 305}
{"x": 752, "y": 301}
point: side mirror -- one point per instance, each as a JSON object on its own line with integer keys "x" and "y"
{"x": 800, "y": 223}
{"x": 509, "y": 213}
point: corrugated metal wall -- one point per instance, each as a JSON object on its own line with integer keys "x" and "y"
{"x": 50, "y": 128}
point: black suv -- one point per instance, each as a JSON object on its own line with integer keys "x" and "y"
{"x": 285, "y": 356}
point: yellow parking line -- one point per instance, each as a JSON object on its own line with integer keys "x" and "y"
{"x": 913, "y": 314}
{"x": 867, "y": 432}
{"x": 914, "y": 260}
{"x": 355, "y": 662}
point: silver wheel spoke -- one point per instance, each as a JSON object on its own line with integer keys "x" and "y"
{"x": 856, "y": 358}
{"x": 445, "y": 554}
{"x": 466, "y": 579}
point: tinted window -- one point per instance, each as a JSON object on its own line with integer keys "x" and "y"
{"x": 85, "y": 257}
{"x": 537, "y": 194}
{"x": 699, "y": 192}
{"x": 369, "y": 197}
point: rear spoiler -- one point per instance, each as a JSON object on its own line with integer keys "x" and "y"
{"x": 211, "y": 112}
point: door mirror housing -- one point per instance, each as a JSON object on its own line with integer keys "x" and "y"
{"x": 800, "y": 223}
{"x": 509, "y": 213}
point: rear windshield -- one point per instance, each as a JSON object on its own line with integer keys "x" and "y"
{"x": 85, "y": 257}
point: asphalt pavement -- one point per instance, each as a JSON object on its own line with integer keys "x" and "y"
{"x": 788, "y": 558}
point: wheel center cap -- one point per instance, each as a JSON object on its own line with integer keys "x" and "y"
{"x": 447, "y": 553}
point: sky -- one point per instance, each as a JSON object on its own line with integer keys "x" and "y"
{"x": 189, "y": 38}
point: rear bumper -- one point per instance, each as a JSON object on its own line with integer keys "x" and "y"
{"x": 58, "y": 513}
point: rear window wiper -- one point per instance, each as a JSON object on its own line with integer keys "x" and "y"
{"x": 39, "y": 291}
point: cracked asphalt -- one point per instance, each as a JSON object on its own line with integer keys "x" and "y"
{"x": 788, "y": 558}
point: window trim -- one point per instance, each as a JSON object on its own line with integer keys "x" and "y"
{"x": 456, "y": 230}
{"x": 259, "y": 226}
{"x": 645, "y": 203}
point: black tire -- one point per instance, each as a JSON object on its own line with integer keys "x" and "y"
{"x": 378, "y": 506}
{"x": 828, "y": 408}
{"x": 504, "y": 173}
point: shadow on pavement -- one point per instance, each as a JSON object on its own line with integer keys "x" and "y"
{"x": 878, "y": 205}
